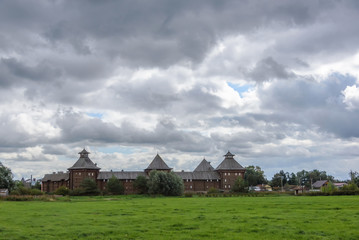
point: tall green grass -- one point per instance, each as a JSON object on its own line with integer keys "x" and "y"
{"x": 135, "y": 217}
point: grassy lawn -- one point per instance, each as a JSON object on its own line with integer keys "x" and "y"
{"x": 126, "y": 217}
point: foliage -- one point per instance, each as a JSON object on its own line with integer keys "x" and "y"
{"x": 303, "y": 178}
{"x": 62, "y": 191}
{"x": 36, "y": 192}
{"x": 350, "y": 187}
{"x": 6, "y": 178}
{"x": 239, "y": 185}
{"x": 212, "y": 190}
{"x": 26, "y": 191}
{"x": 37, "y": 185}
{"x": 329, "y": 188}
{"x": 279, "y": 179}
{"x": 89, "y": 187}
{"x": 140, "y": 184}
{"x": 354, "y": 177}
{"x": 114, "y": 186}
{"x": 165, "y": 183}
{"x": 254, "y": 175}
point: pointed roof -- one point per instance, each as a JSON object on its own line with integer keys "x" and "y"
{"x": 84, "y": 162}
{"x": 204, "y": 166}
{"x": 229, "y": 163}
{"x": 158, "y": 164}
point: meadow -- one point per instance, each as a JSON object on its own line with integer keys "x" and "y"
{"x": 137, "y": 217}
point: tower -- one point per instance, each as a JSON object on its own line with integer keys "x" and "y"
{"x": 229, "y": 170}
{"x": 82, "y": 169}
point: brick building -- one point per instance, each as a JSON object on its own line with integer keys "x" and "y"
{"x": 201, "y": 179}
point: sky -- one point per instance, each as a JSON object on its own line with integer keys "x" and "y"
{"x": 274, "y": 82}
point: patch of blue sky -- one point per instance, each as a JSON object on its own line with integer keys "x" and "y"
{"x": 95, "y": 115}
{"x": 240, "y": 88}
{"x": 121, "y": 149}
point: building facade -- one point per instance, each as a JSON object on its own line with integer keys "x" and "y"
{"x": 203, "y": 178}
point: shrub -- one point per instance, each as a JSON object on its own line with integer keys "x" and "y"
{"x": 89, "y": 187}
{"x": 239, "y": 185}
{"x": 164, "y": 183}
{"x": 188, "y": 194}
{"x": 114, "y": 186}
{"x": 350, "y": 187}
{"x": 212, "y": 190}
{"x": 140, "y": 184}
{"x": 76, "y": 192}
{"x": 62, "y": 191}
{"x": 36, "y": 192}
{"x": 21, "y": 191}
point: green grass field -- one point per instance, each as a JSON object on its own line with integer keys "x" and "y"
{"x": 130, "y": 217}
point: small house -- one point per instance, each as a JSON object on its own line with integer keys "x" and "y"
{"x": 4, "y": 192}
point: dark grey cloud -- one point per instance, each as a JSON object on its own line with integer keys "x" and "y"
{"x": 313, "y": 104}
{"x": 156, "y": 73}
{"x": 268, "y": 69}
{"x": 76, "y": 128}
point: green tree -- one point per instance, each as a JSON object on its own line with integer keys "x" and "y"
{"x": 140, "y": 184}
{"x": 6, "y": 178}
{"x": 292, "y": 179}
{"x": 89, "y": 187}
{"x": 330, "y": 188}
{"x": 164, "y": 183}
{"x": 240, "y": 185}
{"x": 254, "y": 176}
{"x": 279, "y": 179}
{"x": 354, "y": 177}
{"x": 37, "y": 185}
{"x": 114, "y": 186}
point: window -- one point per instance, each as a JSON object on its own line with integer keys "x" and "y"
{"x": 190, "y": 180}
{"x": 225, "y": 180}
{"x": 229, "y": 174}
{"x": 190, "y": 187}
{"x": 89, "y": 174}
{"x": 229, "y": 186}
{"x": 235, "y": 174}
{"x": 225, "y": 186}
{"x": 79, "y": 173}
{"x": 225, "y": 174}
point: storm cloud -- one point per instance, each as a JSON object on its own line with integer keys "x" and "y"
{"x": 275, "y": 82}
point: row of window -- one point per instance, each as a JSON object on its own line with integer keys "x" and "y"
{"x": 229, "y": 174}
{"x": 225, "y": 186}
{"x": 89, "y": 174}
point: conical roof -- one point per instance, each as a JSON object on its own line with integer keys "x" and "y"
{"x": 204, "y": 166}
{"x": 84, "y": 162}
{"x": 229, "y": 163}
{"x": 158, "y": 164}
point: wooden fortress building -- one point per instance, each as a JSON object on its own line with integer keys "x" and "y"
{"x": 202, "y": 178}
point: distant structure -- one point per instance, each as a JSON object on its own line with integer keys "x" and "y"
{"x": 201, "y": 179}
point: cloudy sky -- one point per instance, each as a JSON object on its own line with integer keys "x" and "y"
{"x": 274, "y": 82}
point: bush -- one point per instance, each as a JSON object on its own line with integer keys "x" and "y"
{"x": 89, "y": 187}
{"x": 36, "y": 192}
{"x": 76, "y": 192}
{"x": 114, "y": 186}
{"x": 188, "y": 194}
{"x": 164, "y": 183}
{"x": 62, "y": 191}
{"x": 140, "y": 184}
{"x": 212, "y": 190}
{"x": 21, "y": 191}
{"x": 239, "y": 185}
{"x": 350, "y": 187}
